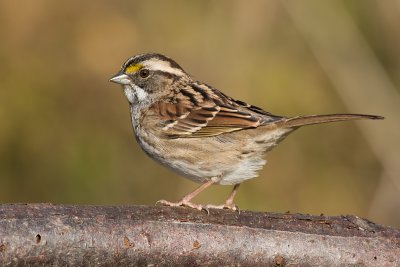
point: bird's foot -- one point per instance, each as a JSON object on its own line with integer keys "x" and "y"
{"x": 229, "y": 206}
{"x": 182, "y": 203}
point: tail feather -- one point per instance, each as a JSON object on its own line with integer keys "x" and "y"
{"x": 316, "y": 119}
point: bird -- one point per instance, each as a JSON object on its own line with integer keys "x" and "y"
{"x": 199, "y": 132}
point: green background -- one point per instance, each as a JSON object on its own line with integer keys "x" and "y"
{"x": 65, "y": 133}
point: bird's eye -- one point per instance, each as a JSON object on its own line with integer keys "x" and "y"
{"x": 144, "y": 73}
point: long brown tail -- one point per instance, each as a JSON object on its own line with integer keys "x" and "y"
{"x": 316, "y": 119}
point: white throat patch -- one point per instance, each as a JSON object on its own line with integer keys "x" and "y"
{"x": 135, "y": 94}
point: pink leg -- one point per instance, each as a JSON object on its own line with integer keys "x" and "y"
{"x": 186, "y": 200}
{"x": 229, "y": 202}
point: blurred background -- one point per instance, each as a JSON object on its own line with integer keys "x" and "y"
{"x": 65, "y": 132}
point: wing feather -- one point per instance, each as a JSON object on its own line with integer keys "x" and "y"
{"x": 196, "y": 112}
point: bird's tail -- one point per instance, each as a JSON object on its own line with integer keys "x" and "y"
{"x": 316, "y": 119}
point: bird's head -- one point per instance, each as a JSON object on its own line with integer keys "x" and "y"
{"x": 149, "y": 77}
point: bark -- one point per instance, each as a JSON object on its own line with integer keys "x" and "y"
{"x": 63, "y": 235}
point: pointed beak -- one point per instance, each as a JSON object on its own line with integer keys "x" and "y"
{"x": 120, "y": 78}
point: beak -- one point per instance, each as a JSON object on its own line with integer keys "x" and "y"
{"x": 120, "y": 78}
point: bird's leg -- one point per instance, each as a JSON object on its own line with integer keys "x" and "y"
{"x": 229, "y": 202}
{"x": 186, "y": 200}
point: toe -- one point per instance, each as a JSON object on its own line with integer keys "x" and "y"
{"x": 168, "y": 203}
{"x": 182, "y": 203}
{"x": 232, "y": 206}
{"x": 219, "y": 207}
{"x": 192, "y": 205}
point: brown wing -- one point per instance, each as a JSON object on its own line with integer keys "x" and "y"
{"x": 201, "y": 111}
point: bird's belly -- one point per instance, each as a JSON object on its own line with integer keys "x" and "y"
{"x": 228, "y": 159}
{"x": 189, "y": 160}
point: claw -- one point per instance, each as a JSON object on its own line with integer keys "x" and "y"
{"x": 205, "y": 208}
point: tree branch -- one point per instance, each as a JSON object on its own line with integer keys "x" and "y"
{"x": 44, "y": 234}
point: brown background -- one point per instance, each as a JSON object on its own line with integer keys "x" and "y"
{"x": 65, "y": 133}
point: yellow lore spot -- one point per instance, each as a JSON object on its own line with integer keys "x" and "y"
{"x": 133, "y": 68}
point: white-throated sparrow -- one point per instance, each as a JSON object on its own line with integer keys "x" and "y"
{"x": 198, "y": 131}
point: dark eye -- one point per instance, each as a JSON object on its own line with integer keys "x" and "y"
{"x": 144, "y": 73}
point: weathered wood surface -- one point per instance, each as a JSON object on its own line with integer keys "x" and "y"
{"x": 66, "y": 235}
